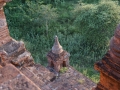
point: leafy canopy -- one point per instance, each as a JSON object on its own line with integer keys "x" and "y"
{"x": 97, "y": 22}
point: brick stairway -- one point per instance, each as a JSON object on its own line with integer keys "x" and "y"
{"x": 12, "y": 79}
{"x": 37, "y": 77}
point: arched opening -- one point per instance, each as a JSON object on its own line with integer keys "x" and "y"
{"x": 64, "y": 63}
{"x": 52, "y": 64}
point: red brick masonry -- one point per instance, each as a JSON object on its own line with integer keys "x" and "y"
{"x": 109, "y": 66}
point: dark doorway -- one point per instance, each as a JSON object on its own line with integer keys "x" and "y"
{"x": 52, "y": 65}
{"x": 64, "y": 63}
{"x": 0, "y": 60}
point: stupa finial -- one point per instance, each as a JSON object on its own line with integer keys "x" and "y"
{"x": 57, "y": 48}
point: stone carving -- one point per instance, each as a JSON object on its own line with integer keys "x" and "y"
{"x": 109, "y": 66}
{"x": 57, "y": 57}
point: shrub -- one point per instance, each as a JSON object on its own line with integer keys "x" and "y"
{"x": 63, "y": 70}
{"x": 97, "y": 22}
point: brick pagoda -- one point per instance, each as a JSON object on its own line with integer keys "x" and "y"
{"x": 109, "y": 66}
{"x": 57, "y": 57}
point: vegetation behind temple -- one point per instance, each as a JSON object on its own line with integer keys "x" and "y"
{"x": 84, "y": 28}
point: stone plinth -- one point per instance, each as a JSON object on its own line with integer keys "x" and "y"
{"x": 57, "y": 57}
{"x": 109, "y": 66}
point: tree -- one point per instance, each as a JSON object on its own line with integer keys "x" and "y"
{"x": 41, "y": 14}
{"x": 97, "y": 22}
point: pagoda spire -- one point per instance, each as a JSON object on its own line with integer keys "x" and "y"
{"x": 57, "y": 48}
{"x": 57, "y": 57}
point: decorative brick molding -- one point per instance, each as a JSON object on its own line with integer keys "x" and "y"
{"x": 109, "y": 66}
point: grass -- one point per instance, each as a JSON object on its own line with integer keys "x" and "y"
{"x": 63, "y": 69}
{"x": 81, "y": 81}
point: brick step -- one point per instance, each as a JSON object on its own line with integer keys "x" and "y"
{"x": 4, "y": 34}
{"x": 38, "y": 74}
{"x": 23, "y": 59}
{"x": 32, "y": 77}
{"x": 4, "y": 29}
{"x": 70, "y": 80}
{"x": 4, "y": 40}
{"x": 12, "y": 79}
{"x": 13, "y": 47}
{"x": 17, "y": 54}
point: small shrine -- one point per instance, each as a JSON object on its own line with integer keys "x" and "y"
{"x": 57, "y": 57}
{"x": 109, "y": 66}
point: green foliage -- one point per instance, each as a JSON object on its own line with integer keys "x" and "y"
{"x": 33, "y": 13}
{"x": 41, "y": 14}
{"x": 63, "y": 70}
{"x": 81, "y": 81}
{"x": 97, "y": 22}
{"x": 89, "y": 1}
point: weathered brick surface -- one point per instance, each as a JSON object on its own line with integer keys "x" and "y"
{"x": 70, "y": 80}
{"x": 4, "y": 32}
{"x": 109, "y": 66}
{"x": 15, "y": 51}
{"x": 16, "y": 54}
{"x": 38, "y": 77}
{"x": 38, "y": 74}
{"x": 12, "y": 79}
